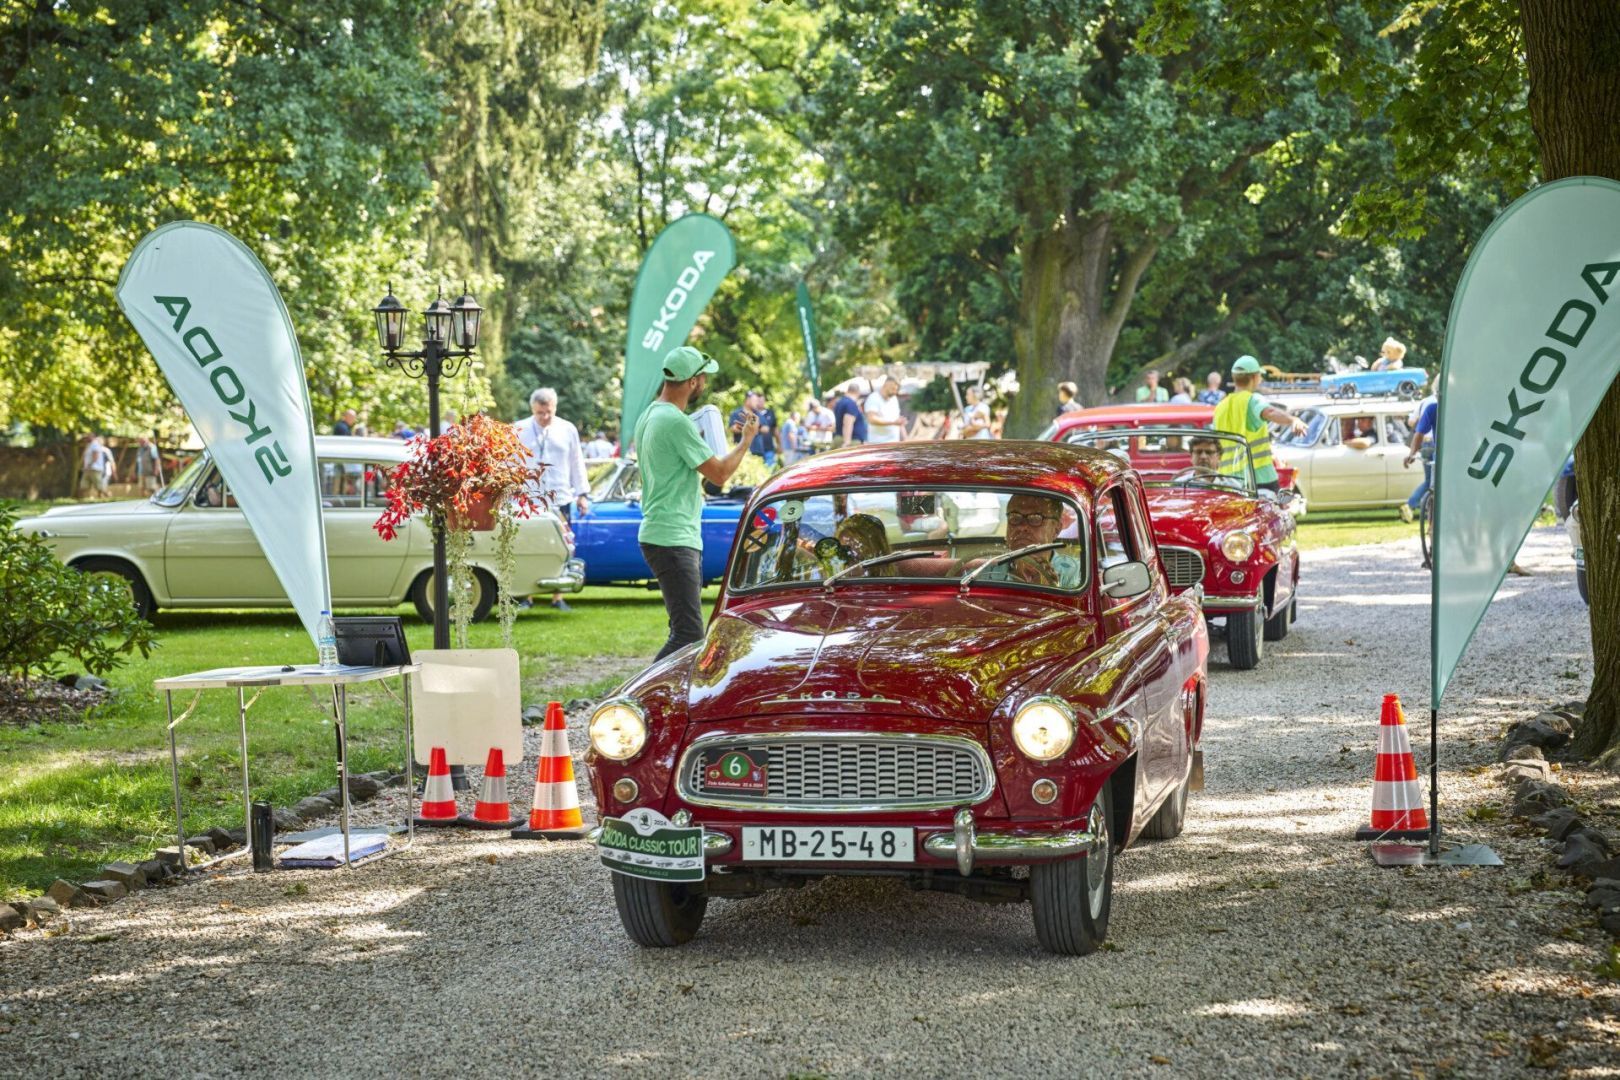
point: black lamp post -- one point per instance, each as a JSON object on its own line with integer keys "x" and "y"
{"x": 449, "y": 338}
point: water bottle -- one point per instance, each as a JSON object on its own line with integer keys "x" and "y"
{"x": 326, "y": 641}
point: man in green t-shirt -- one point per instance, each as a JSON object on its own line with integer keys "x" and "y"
{"x": 674, "y": 458}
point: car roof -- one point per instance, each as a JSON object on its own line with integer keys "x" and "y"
{"x": 998, "y": 463}
{"x": 1358, "y": 405}
{"x": 359, "y": 446}
{"x": 1136, "y": 416}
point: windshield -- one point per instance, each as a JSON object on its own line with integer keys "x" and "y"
{"x": 1314, "y": 419}
{"x": 799, "y": 539}
{"x": 1181, "y": 457}
{"x": 602, "y": 476}
{"x": 175, "y": 493}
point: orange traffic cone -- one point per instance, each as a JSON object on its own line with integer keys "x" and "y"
{"x": 1397, "y": 809}
{"x": 493, "y": 810}
{"x": 556, "y": 798}
{"x": 438, "y": 798}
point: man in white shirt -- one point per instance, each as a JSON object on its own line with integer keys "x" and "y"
{"x": 554, "y": 443}
{"x": 98, "y": 467}
{"x": 884, "y": 423}
{"x": 599, "y": 449}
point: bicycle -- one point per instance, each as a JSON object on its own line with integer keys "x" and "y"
{"x": 1425, "y": 518}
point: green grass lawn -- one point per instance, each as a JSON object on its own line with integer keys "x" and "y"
{"x": 76, "y": 795}
{"x": 1341, "y": 528}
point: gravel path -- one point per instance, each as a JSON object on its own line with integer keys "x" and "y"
{"x": 1262, "y": 941}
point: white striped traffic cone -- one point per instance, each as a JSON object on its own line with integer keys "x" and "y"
{"x": 493, "y": 810}
{"x": 1397, "y": 809}
{"x": 438, "y": 806}
{"x": 556, "y": 797}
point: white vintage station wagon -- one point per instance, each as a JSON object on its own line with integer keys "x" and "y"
{"x": 189, "y": 546}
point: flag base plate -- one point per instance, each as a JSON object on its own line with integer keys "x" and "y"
{"x": 1385, "y": 854}
{"x": 551, "y": 834}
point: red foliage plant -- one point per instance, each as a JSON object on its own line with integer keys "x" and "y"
{"x": 478, "y": 460}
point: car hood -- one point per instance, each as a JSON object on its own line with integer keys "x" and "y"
{"x": 937, "y": 654}
{"x": 1195, "y": 516}
{"x": 85, "y": 511}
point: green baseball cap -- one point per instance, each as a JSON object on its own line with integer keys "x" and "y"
{"x": 1245, "y": 365}
{"x": 684, "y": 362}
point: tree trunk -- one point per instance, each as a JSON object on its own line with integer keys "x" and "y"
{"x": 1070, "y": 313}
{"x": 1572, "y": 48}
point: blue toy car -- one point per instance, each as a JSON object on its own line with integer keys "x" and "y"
{"x": 1403, "y": 382}
{"x": 606, "y": 536}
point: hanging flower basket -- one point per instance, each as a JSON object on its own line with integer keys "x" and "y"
{"x": 467, "y": 474}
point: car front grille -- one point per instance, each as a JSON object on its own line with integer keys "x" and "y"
{"x": 1184, "y": 565}
{"x": 843, "y": 772}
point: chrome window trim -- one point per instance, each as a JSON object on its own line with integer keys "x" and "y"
{"x": 702, "y": 742}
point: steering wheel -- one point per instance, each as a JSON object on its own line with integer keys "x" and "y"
{"x": 1207, "y": 477}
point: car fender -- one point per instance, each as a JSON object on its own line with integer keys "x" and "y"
{"x": 152, "y": 575}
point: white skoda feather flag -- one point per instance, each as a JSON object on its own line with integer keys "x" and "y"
{"x": 218, "y": 329}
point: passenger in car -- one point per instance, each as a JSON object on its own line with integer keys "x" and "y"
{"x": 864, "y": 537}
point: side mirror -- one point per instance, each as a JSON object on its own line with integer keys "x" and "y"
{"x": 1125, "y": 580}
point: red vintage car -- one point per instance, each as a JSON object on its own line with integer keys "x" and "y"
{"x": 1215, "y": 529}
{"x": 956, "y": 663}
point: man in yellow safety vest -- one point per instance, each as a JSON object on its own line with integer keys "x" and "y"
{"x": 1245, "y": 413}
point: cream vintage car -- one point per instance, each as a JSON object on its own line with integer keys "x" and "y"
{"x": 188, "y": 546}
{"x": 1352, "y": 452}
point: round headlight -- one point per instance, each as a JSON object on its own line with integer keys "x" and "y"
{"x": 1237, "y": 546}
{"x": 618, "y": 731}
{"x": 1044, "y": 729}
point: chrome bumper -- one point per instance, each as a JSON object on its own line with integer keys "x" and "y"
{"x": 571, "y": 580}
{"x": 967, "y": 844}
{"x": 1220, "y": 604}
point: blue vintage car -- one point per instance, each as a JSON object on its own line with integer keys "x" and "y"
{"x": 606, "y": 537}
{"x": 1403, "y": 382}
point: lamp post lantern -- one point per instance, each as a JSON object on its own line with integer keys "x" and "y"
{"x": 449, "y": 339}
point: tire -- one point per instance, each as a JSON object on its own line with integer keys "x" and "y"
{"x": 1171, "y": 817}
{"x": 483, "y": 583}
{"x": 657, "y": 914}
{"x": 1245, "y": 639}
{"x": 117, "y": 568}
{"x": 1070, "y": 899}
{"x": 1580, "y": 584}
{"x": 1407, "y": 389}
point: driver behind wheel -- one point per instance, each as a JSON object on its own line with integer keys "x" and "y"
{"x": 1036, "y": 519}
{"x": 1206, "y": 454}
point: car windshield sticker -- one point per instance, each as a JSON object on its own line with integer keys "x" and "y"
{"x": 644, "y": 844}
{"x": 828, "y": 548}
{"x": 765, "y": 518}
{"x": 792, "y": 511}
{"x": 735, "y": 771}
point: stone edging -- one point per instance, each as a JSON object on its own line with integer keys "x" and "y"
{"x": 119, "y": 879}
{"x": 1584, "y": 852}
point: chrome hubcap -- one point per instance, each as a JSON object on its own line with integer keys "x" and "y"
{"x": 1096, "y": 863}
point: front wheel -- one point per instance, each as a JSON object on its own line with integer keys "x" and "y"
{"x": 1407, "y": 389}
{"x": 118, "y": 574}
{"x": 1245, "y": 639}
{"x": 1070, "y": 899}
{"x": 659, "y": 914}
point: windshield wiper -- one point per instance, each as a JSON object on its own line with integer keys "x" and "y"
{"x": 877, "y": 560}
{"x": 1007, "y": 556}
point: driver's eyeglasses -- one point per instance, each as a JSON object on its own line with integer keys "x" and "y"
{"x": 1029, "y": 519}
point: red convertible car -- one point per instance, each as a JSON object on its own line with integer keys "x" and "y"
{"x": 960, "y": 664}
{"x": 1213, "y": 526}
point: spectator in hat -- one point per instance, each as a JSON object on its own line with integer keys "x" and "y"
{"x": 674, "y": 462}
{"x": 1245, "y": 413}
{"x": 1150, "y": 392}
{"x": 1068, "y": 398}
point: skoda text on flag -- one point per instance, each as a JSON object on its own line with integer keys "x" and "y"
{"x": 1532, "y": 345}
{"x": 684, "y": 266}
{"x": 807, "y": 327}
{"x": 217, "y": 327}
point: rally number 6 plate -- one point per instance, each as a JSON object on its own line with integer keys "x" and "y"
{"x": 826, "y": 843}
